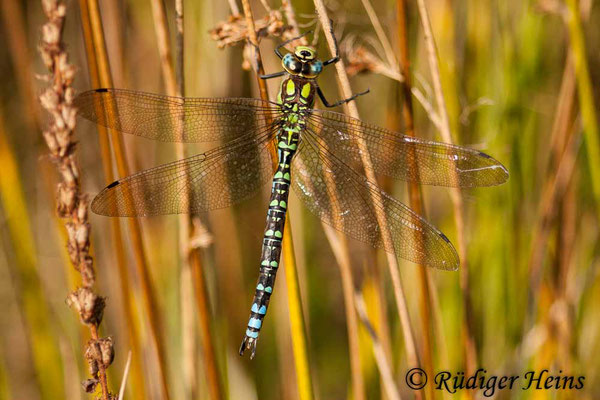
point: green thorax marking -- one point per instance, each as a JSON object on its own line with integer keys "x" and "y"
{"x": 298, "y": 91}
{"x": 297, "y": 96}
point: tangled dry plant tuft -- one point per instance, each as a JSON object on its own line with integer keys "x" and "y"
{"x": 235, "y": 31}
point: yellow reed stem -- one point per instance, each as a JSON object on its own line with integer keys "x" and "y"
{"x": 415, "y": 195}
{"x": 297, "y": 325}
{"x": 190, "y": 259}
{"x": 127, "y": 302}
{"x": 104, "y": 79}
{"x": 586, "y": 96}
{"x": 399, "y": 296}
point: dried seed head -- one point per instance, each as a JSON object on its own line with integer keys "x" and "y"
{"x": 46, "y": 57}
{"x": 69, "y": 116}
{"x": 61, "y": 10}
{"x": 82, "y": 208}
{"x": 51, "y": 33}
{"x": 201, "y": 237}
{"x": 107, "y": 351}
{"x": 92, "y": 355}
{"x": 66, "y": 196}
{"x": 49, "y": 7}
{"x": 82, "y": 236}
{"x": 89, "y": 305}
{"x": 89, "y": 385}
{"x": 235, "y": 29}
{"x": 69, "y": 95}
{"x": 359, "y": 59}
{"x": 49, "y": 99}
{"x": 51, "y": 142}
{"x": 86, "y": 269}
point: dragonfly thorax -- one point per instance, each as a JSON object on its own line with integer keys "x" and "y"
{"x": 297, "y": 98}
{"x": 297, "y": 90}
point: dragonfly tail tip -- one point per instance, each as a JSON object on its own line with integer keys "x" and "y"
{"x": 248, "y": 343}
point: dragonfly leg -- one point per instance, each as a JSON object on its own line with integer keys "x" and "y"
{"x": 274, "y": 75}
{"x": 337, "y": 103}
{"x": 336, "y": 58}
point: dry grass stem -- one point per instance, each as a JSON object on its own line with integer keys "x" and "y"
{"x": 12, "y": 18}
{"x": 585, "y": 87}
{"x": 125, "y": 376}
{"x": 192, "y": 270}
{"x": 360, "y": 59}
{"x": 290, "y": 16}
{"x": 414, "y": 191}
{"x": 72, "y": 204}
{"x": 455, "y": 193}
{"x": 391, "y": 258}
{"x": 118, "y": 243}
{"x": 339, "y": 246}
{"x": 385, "y": 369}
{"x": 101, "y": 77}
{"x": 385, "y": 43}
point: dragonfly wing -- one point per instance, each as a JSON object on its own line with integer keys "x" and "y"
{"x": 215, "y": 179}
{"x": 405, "y": 157}
{"x": 174, "y": 119}
{"x": 346, "y": 200}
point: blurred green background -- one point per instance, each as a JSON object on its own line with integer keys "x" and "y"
{"x": 531, "y": 244}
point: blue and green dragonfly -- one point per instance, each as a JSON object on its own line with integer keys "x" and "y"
{"x": 314, "y": 149}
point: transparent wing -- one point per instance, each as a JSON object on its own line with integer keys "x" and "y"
{"x": 405, "y": 157}
{"x": 175, "y": 119}
{"x": 215, "y": 179}
{"x": 344, "y": 199}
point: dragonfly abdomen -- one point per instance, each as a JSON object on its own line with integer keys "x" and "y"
{"x": 271, "y": 248}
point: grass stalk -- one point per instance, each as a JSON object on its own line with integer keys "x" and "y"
{"x": 586, "y": 96}
{"x": 564, "y": 143}
{"x": 125, "y": 376}
{"x": 415, "y": 195}
{"x": 383, "y": 365}
{"x": 12, "y": 18}
{"x": 118, "y": 243}
{"x": 297, "y": 324}
{"x": 455, "y": 193}
{"x": 174, "y": 80}
{"x": 104, "y": 79}
{"x": 213, "y": 377}
{"x": 72, "y": 204}
{"x": 344, "y": 83}
{"x": 339, "y": 246}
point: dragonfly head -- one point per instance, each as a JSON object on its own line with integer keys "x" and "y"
{"x": 303, "y": 62}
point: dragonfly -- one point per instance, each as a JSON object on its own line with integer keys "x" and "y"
{"x": 318, "y": 153}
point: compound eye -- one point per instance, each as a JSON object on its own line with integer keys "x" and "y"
{"x": 292, "y": 65}
{"x": 316, "y": 68}
{"x": 296, "y": 66}
{"x": 313, "y": 69}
